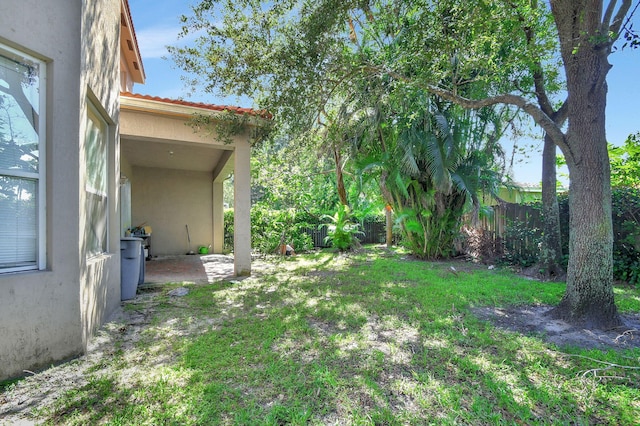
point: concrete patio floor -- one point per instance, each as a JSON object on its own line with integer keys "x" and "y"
{"x": 196, "y": 269}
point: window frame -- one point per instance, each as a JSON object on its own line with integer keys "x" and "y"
{"x": 39, "y": 176}
{"x": 94, "y": 114}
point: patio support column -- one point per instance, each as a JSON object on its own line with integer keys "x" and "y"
{"x": 242, "y": 209}
{"x": 218, "y": 217}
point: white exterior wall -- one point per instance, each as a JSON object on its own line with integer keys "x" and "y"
{"x": 168, "y": 200}
{"x": 47, "y": 316}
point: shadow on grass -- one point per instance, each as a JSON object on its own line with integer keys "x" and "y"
{"x": 364, "y": 339}
{"x": 337, "y": 345}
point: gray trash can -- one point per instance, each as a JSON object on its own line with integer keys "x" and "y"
{"x": 130, "y": 258}
{"x": 142, "y": 265}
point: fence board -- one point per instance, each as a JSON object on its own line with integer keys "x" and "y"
{"x": 504, "y": 216}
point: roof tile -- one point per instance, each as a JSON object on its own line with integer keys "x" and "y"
{"x": 237, "y": 110}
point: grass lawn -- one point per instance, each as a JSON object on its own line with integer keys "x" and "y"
{"x": 369, "y": 338}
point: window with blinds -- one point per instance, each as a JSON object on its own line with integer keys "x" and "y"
{"x": 22, "y": 130}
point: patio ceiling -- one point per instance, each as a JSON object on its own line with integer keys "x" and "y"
{"x": 168, "y": 154}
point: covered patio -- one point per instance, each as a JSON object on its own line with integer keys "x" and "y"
{"x": 172, "y": 177}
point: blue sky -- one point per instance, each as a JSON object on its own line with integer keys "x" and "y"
{"x": 157, "y": 25}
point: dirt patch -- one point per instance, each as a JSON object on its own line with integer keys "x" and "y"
{"x": 534, "y": 320}
{"x": 24, "y": 402}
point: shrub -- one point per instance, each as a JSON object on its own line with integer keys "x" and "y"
{"x": 270, "y": 228}
{"x": 480, "y": 245}
{"x": 342, "y": 231}
{"x": 522, "y": 238}
{"x": 228, "y": 230}
{"x": 625, "y": 214}
{"x": 625, "y": 208}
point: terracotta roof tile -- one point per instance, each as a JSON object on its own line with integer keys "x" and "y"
{"x": 237, "y": 110}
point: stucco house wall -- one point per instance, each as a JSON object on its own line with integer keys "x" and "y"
{"x": 47, "y": 315}
{"x": 89, "y": 51}
{"x": 100, "y": 87}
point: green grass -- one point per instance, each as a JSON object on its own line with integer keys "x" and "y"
{"x": 372, "y": 338}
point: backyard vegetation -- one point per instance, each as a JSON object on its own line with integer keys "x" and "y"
{"x": 398, "y": 105}
{"x": 374, "y": 337}
{"x": 407, "y": 102}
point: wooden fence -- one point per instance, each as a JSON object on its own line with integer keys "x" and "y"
{"x": 507, "y": 213}
{"x": 517, "y": 228}
{"x": 512, "y": 229}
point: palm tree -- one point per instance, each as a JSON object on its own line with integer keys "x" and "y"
{"x": 432, "y": 160}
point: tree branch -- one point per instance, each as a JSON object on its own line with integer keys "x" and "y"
{"x": 609, "y": 364}
{"x": 538, "y": 73}
{"x": 606, "y": 18}
{"x": 542, "y": 119}
{"x": 534, "y": 111}
{"x": 617, "y": 22}
{"x": 561, "y": 114}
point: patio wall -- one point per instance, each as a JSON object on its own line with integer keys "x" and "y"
{"x": 167, "y": 200}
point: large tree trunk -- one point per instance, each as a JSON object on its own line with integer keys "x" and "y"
{"x": 551, "y": 253}
{"x": 588, "y": 299}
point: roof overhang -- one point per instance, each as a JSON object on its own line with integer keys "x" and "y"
{"x": 129, "y": 44}
{"x": 181, "y": 108}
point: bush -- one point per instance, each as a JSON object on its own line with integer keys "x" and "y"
{"x": 270, "y": 228}
{"x": 625, "y": 209}
{"x": 480, "y": 245}
{"x": 625, "y": 214}
{"x": 228, "y": 230}
{"x": 522, "y": 244}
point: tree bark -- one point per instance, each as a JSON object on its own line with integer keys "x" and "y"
{"x": 342, "y": 192}
{"x": 588, "y": 299}
{"x": 551, "y": 252}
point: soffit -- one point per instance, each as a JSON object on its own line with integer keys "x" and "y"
{"x": 129, "y": 44}
{"x": 174, "y": 155}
